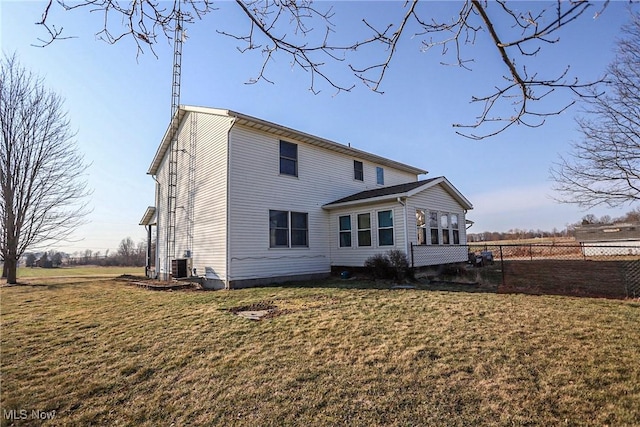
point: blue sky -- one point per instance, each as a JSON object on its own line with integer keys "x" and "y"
{"x": 120, "y": 105}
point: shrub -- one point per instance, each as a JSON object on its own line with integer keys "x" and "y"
{"x": 379, "y": 266}
{"x": 399, "y": 263}
{"x": 390, "y": 265}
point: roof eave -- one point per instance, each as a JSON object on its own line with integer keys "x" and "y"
{"x": 360, "y": 202}
{"x": 149, "y": 216}
{"x": 286, "y": 132}
{"x": 453, "y": 191}
{"x": 282, "y": 131}
{"x": 166, "y": 141}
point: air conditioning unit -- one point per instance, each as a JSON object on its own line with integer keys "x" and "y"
{"x": 181, "y": 268}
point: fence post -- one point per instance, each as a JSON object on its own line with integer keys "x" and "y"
{"x": 502, "y": 266}
{"x": 412, "y": 263}
{"x": 530, "y": 251}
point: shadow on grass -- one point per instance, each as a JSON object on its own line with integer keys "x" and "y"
{"x": 57, "y": 282}
{"x": 422, "y": 284}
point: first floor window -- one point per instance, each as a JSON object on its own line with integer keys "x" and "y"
{"x": 444, "y": 223}
{"x": 299, "y": 229}
{"x": 433, "y": 227}
{"x": 385, "y": 228}
{"x": 455, "y": 230}
{"x": 364, "y": 229}
{"x": 421, "y": 227}
{"x": 288, "y": 229}
{"x": 278, "y": 229}
{"x": 345, "y": 231}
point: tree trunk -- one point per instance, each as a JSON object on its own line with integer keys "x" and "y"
{"x": 10, "y": 267}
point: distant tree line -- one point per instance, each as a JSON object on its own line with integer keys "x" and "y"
{"x": 128, "y": 254}
{"x": 568, "y": 231}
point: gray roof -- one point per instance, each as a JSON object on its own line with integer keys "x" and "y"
{"x": 382, "y": 191}
{"x": 401, "y": 190}
{"x": 608, "y": 233}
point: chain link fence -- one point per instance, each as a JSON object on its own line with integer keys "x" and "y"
{"x": 589, "y": 269}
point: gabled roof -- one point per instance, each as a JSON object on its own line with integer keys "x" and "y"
{"x": 402, "y": 190}
{"x": 608, "y": 232}
{"x": 279, "y": 130}
{"x": 149, "y": 217}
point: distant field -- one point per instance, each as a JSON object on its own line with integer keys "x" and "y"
{"x": 540, "y": 241}
{"x": 104, "y": 352}
{"x": 27, "y": 272}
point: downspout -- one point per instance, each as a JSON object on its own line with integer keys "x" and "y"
{"x": 157, "y": 260}
{"x": 227, "y": 284}
{"x": 148, "y": 260}
{"x": 406, "y": 231}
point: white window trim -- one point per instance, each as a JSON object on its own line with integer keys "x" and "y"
{"x": 378, "y": 228}
{"x": 297, "y": 159}
{"x": 440, "y": 228}
{"x": 289, "y": 230}
{"x": 354, "y": 171}
{"x": 344, "y": 231}
{"x": 370, "y": 229}
{"x": 381, "y": 169}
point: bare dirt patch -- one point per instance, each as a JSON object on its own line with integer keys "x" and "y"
{"x": 268, "y": 309}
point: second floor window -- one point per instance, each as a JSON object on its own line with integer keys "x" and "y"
{"x": 379, "y": 175}
{"x": 288, "y": 158}
{"x": 358, "y": 171}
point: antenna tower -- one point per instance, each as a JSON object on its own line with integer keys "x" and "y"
{"x": 173, "y": 147}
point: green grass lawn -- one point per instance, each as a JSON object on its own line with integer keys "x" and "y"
{"x": 104, "y": 352}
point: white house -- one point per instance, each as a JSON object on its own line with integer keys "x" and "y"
{"x": 609, "y": 239}
{"x": 241, "y": 201}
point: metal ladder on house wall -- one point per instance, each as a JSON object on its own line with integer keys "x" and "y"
{"x": 191, "y": 185}
{"x": 173, "y": 147}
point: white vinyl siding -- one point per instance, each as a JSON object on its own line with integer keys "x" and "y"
{"x": 204, "y": 206}
{"x": 436, "y": 200}
{"x": 357, "y": 254}
{"x": 256, "y": 187}
{"x": 210, "y": 230}
{"x": 229, "y": 181}
{"x": 433, "y": 199}
{"x": 162, "y": 266}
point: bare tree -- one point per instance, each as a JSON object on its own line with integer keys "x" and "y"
{"x": 306, "y": 35}
{"x": 41, "y": 171}
{"x": 126, "y": 250}
{"x": 603, "y": 168}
